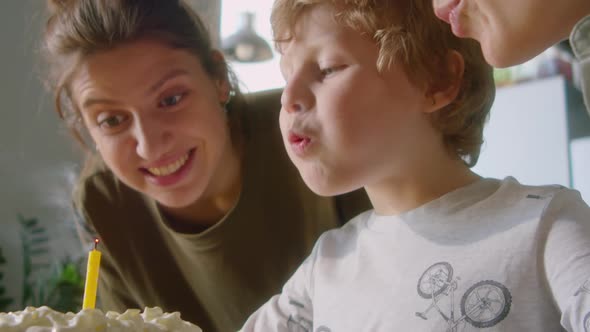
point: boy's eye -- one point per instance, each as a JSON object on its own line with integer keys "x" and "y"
{"x": 328, "y": 71}
{"x": 171, "y": 100}
{"x": 112, "y": 122}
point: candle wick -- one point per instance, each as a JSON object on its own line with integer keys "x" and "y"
{"x": 95, "y": 243}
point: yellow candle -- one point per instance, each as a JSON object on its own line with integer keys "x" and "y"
{"x": 91, "y": 278}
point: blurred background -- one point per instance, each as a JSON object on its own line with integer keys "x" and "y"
{"x": 539, "y": 132}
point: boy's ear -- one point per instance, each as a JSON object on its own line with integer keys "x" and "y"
{"x": 222, "y": 78}
{"x": 445, "y": 89}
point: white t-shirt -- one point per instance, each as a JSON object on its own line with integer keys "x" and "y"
{"x": 494, "y": 255}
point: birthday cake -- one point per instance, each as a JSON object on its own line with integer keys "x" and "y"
{"x": 44, "y": 319}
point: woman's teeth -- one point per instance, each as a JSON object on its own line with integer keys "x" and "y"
{"x": 169, "y": 169}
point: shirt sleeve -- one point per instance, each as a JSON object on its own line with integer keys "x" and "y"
{"x": 292, "y": 310}
{"x": 567, "y": 258}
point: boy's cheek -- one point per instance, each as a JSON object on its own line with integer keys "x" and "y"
{"x": 283, "y": 124}
{"x": 282, "y": 117}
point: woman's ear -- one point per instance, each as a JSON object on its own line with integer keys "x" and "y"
{"x": 222, "y": 77}
{"x": 445, "y": 89}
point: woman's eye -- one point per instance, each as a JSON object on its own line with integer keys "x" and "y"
{"x": 112, "y": 122}
{"x": 171, "y": 100}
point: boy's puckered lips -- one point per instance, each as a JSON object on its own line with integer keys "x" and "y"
{"x": 299, "y": 142}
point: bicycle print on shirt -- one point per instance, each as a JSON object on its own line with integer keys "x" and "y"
{"x": 483, "y": 305}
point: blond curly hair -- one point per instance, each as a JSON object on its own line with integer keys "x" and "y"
{"x": 408, "y": 31}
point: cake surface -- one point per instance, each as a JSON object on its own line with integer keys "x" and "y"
{"x": 44, "y": 319}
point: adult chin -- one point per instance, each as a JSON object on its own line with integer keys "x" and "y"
{"x": 179, "y": 199}
{"x": 500, "y": 57}
{"x": 171, "y": 203}
{"x": 509, "y": 48}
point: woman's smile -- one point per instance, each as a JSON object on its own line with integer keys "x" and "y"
{"x": 170, "y": 173}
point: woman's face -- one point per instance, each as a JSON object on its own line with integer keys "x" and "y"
{"x": 156, "y": 118}
{"x": 509, "y": 31}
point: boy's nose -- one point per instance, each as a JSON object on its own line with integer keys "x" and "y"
{"x": 296, "y": 97}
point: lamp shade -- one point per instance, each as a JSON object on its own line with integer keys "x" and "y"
{"x": 245, "y": 45}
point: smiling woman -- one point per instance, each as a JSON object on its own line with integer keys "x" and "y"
{"x": 189, "y": 188}
{"x": 160, "y": 127}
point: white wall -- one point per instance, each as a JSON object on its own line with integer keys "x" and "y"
{"x": 36, "y": 154}
{"x": 527, "y": 134}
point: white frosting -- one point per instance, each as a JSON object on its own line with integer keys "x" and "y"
{"x": 45, "y": 319}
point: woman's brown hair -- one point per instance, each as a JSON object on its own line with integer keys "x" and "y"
{"x": 76, "y": 29}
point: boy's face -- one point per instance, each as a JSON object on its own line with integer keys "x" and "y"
{"x": 509, "y": 31}
{"x": 346, "y": 125}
